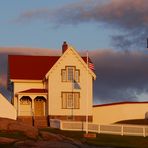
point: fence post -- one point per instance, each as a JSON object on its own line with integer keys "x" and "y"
{"x": 61, "y": 124}
{"x": 144, "y": 134}
{"x": 121, "y": 130}
{"x": 99, "y": 128}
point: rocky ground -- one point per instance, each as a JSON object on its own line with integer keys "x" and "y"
{"x": 35, "y": 138}
{"x": 47, "y": 140}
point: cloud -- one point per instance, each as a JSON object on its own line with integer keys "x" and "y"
{"x": 28, "y": 51}
{"x": 121, "y": 76}
{"x": 32, "y": 15}
{"x": 130, "y": 17}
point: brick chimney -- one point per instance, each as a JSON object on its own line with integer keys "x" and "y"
{"x": 64, "y": 47}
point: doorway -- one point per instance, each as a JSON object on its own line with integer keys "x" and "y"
{"x": 39, "y": 106}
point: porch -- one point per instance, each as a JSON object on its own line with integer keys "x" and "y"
{"x": 32, "y": 107}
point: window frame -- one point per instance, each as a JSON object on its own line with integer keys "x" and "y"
{"x": 65, "y": 74}
{"x": 68, "y": 74}
{"x": 75, "y": 101}
{"x": 77, "y": 79}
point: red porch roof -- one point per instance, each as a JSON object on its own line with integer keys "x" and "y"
{"x": 34, "y": 91}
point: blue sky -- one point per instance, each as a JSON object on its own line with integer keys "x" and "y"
{"x": 114, "y": 32}
{"x": 46, "y": 34}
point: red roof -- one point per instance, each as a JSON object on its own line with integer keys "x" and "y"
{"x": 31, "y": 67}
{"x": 34, "y": 91}
{"x": 85, "y": 59}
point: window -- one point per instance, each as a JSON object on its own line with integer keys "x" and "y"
{"x": 77, "y": 74}
{"x": 70, "y": 100}
{"x": 63, "y": 72}
{"x": 70, "y": 73}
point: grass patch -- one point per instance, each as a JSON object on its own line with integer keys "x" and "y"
{"x": 119, "y": 141}
{"x": 105, "y": 139}
{"x": 15, "y": 135}
{"x": 6, "y": 145}
{"x": 72, "y": 134}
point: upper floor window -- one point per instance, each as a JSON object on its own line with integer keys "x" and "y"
{"x": 70, "y": 73}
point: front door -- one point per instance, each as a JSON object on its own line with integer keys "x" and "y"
{"x": 39, "y": 107}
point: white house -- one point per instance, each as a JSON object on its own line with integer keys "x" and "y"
{"x": 60, "y": 87}
{"x": 52, "y": 87}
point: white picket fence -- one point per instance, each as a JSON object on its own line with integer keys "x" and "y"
{"x": 132, "y": 130}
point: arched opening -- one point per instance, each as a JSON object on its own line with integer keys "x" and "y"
{"x": 25, "y": 106}
{"x": 39, "y": 106}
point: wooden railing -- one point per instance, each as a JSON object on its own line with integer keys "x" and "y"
{"x": 118, "y": 129}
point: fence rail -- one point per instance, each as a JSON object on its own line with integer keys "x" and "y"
{"x": 118, "y": 129}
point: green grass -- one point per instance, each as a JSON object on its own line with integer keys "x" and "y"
{"x": 10, "y": 145}
{"x": 71, "y": 134}
{"x": 105, "y": 140}
{"x": 15, "y": 135}
{"x": 115, "y": 141}
{"x": 119, "y": 141}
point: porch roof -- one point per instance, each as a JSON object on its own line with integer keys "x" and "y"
{"x": 34, "y": 90}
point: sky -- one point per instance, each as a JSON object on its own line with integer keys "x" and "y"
{"x": 30, "y": 23}
{"x": 113, "y": 31}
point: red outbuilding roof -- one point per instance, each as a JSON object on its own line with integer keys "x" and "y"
{"x": 31, "y": 67}
{"x": 118, "y": 103}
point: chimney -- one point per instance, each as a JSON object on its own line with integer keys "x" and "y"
{"x": 64, "y": 47}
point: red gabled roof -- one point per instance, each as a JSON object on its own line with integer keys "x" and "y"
{"x": 30, "y": 67}
{"x": 85, "y": 59}
{"x": 34, "y": 90}
{"x": 89, "y": 61}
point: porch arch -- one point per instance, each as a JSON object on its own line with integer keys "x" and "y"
{"x": 25, "y": 106}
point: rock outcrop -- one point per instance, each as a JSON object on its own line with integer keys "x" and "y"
{"x": 10, "y": 125}
{"x": 50, "y": 136}
{"x": 4, "y": 140}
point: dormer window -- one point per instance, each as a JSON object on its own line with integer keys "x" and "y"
{"x": 70, "y": 73}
